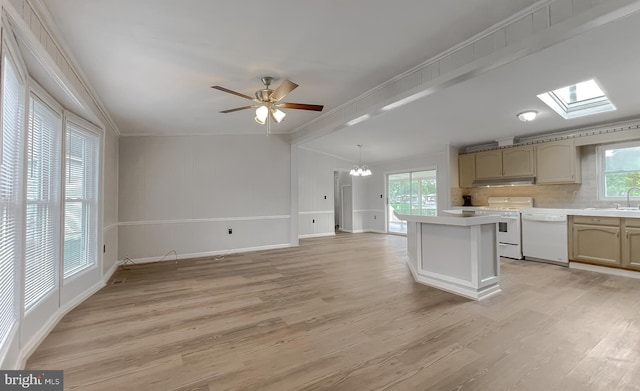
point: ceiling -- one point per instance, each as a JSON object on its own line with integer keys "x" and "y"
{"x": 152, "y": 63}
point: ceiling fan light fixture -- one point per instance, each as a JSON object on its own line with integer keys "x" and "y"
{"x": 278, "y": 115}
{"x": 261, "y": 114}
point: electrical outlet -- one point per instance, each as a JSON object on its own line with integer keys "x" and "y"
{"x": 375, "y": 217}
{"x": 230, "y": 231}
{"x": 380, "y": 195}
{"x": 325, "y": 197}
{"x": 313, "y": 221}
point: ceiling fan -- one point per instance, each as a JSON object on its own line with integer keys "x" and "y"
{"x": 268, "y": 101}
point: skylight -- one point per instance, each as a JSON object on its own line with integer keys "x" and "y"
{"x": 578, "y": 100}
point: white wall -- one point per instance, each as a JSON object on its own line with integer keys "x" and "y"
{"x": 373, "y": 219}
{"x": 184, "y": 193}
{"x": 316, "y": 192}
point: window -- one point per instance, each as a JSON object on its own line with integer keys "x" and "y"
{"x": 10, "y": 193}
{"x": 43, "y": 202}
{"x": 578, "y": 100}
{"x": 619, "y": 170}
{"x": 81, "y": 203}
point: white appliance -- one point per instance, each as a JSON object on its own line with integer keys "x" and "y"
{"x": 544, "y": 235}
{"x": 509, "y": 236}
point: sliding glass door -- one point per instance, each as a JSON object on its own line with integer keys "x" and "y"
{"x": 413, "y": 193}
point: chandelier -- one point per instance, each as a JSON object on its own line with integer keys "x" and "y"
{"x": 360, "y": 169}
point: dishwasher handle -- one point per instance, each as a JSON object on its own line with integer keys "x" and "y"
{"x": 544, "y": 217}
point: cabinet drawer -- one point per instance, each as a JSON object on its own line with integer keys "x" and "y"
{"x": 632, "y": 223}
{"x": 596, "y": 220}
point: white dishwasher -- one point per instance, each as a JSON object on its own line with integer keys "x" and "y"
{"x": 544, "y": 235}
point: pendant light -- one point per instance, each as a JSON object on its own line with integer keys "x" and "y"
{"x": 360, "y": 169}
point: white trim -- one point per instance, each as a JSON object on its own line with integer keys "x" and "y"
{"x": 164, "y": 258}
{"x": 30, "y": 347}
{"x": 317, "y": 212}
{"x": 204, "y": 220}
{"x": 109, "y": 227}
{"x": 367, "y": 231}
{"x": 307, "y": 236}
{"x": 107, "y": 276}
{"x": 603, "y": 269}
{"x": 307, "y": 148}
{"x": 368, "y": 210}
{"x": 470, "y": 293}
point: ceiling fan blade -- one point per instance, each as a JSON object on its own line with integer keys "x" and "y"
{"x": 301, "y": 106}
{"x": 283, "y": 89}
{"x": 237, "y": 109}
{"x": 232, "y": 92}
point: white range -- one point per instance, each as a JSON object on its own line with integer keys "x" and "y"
{"x": 509, "y": 228}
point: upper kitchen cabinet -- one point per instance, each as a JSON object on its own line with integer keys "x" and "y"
{"x": 518, "y": 161}
{"x": 558, "y": 162}
{"x": 466, "y": 169}
{"x": 489, "y": 164}
{"x": 509, "y": 162}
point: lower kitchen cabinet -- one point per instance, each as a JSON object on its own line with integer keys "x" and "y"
{"x": 631, "y": 244}
{"x": 606, "y": 241}
{"x": 596, "y": 244}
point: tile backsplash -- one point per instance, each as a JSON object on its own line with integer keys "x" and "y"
{"x": 577, "y": 196}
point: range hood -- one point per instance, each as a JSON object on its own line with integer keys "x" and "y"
{"x": 511, "y": 181}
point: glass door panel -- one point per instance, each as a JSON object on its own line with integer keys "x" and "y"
{"x": 410, "y": 193}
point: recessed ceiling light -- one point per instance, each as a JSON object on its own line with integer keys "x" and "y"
{"x": 527, "y": 116}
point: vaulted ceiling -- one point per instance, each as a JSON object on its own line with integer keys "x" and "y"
{"x": 152, "y": 62}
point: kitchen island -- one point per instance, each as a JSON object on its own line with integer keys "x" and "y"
{"x": 454, "y": 253}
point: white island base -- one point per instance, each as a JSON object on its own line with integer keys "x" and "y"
{"x": 454, "y": 253}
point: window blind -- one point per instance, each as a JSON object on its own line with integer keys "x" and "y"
{"x": 10, "y": 193}
{"x": 81, "y": 201}
{"x": 42, "y": 215}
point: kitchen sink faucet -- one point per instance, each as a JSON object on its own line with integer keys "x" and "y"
{"x": 629, "y": 192}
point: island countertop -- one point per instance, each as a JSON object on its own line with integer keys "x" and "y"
{"x": 444, "y": 218}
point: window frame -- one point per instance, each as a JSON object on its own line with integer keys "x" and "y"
{"x": 601, "y": 170}
{"x": 10, "y": 50}
{"x": 70, "y": 119}
{"x": 37, "y": 93}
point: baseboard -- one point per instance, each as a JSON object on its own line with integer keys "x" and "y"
{"x": 307, "y": 236}
{"x": 46, "y": 328}
{"x": 606, "y": 270}
{"x": 166, "y": 258}
{"x": 365, "y": 231}
{"x": 107, "y": 276}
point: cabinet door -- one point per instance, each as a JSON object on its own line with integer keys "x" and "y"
{"x": 631, "y": 248}
{"x": 466, "y": 169}
{"x": 596, "y": 244}
{"x": 518, "y": 161}
{"x": 489, "y": 164}
{"x": 557, "y": 162}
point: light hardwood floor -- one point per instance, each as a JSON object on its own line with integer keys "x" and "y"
{"x": 343, "y": 313}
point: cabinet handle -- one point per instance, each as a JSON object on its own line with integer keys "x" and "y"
{"x": 596, "y": 220}
{"x": 617, "y": 233}
{"x": 626, "y": 233}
